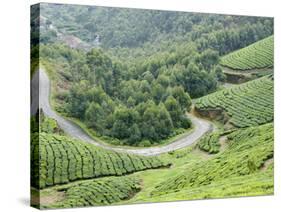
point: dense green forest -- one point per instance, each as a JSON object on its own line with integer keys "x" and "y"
{"x": 133, "y": 28}
{"x": 138, "y": 80}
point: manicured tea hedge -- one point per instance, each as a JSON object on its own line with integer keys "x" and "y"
{"x": 249, "y": 185}
{"x": 210, "y": 143}
{"x": 247, "y": 151}
{"x": 248, "y": 104}
{"x": 257, "y": 55}
{"x": 63, "y": 160}
{"x": 100, "y": 192}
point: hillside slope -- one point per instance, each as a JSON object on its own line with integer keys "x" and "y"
{"x": 104, "y": 191}
{"x": 243, "y": 163}
{"x": 248, "y": 104}
{"x": 64, "y": 160}
{"x": 255, "y": 56}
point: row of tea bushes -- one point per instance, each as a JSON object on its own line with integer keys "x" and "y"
{"x": 64, "y": 160}
{"x": 255, "y": 56}
{"x": 248, "y": 104}
{"x": 248, "y": 150}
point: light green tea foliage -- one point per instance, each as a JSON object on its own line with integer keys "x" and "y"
{"x": 248, "y": 104}
{"x": 64, "y": 160}
{"x": 100, "y": 192}
{"x": 255, "y": 56}
{"x": 210, "y": 143}
{"x": 249, "y": 185}
{"x": 247, "y": 152}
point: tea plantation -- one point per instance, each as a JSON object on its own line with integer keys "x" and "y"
{"x": 194, "y": 90}
{"x": 249, "y": 185}
{"x": 248, "y": 150}
{"x": 100, "y": 192}
{"x": 256, "y": 56}
{"x": 63, "y": 160}
{"x": 248, "y": 104}
{"x": 210, "y": 143}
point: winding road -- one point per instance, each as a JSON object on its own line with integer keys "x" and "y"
{"x": 42, "y": 99}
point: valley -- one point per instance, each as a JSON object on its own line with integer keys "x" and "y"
{"x": 153, "y": 106}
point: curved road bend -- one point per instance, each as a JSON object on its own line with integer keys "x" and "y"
{"x": 40, "y": 78}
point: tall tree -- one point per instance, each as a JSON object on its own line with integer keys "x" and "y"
{"x": 173, "y": 107}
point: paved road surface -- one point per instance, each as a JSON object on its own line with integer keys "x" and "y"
{"x": 40, "y": 77}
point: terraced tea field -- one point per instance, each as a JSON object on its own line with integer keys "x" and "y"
{"x": 249, "y": 185}
{"x": 256, "y": 56}
{"x": 64, "y": 160}
{"x": 99, "y": 192}
{"x": 248, "y": 151}
{"x": 248, "y": 104}
{"x": 210, "y": 143}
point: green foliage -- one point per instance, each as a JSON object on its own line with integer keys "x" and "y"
{"x": 210, "y": 143}
{"x": 147, "y": 121}
{"x": 174, "y": 109}
{"x": 124, "y": 119}
{"x": 41, "y": 123}
{"x": 209, "y": 58}
{"x": 48, "y": 125}
{"x": 187, "y": 68}
{"x": 99, "y": 93}
{"x": 101, "y": 69}
{"x": 219, "y": 73}
{"x": 64, "y": 160}
{"x": 182, "y": 97}
{"x": 130, "y": 28}
{"x": 135, "y": 134}
{"x": 197, "y": 82}
{"x": 248, "y": 104}
{"x": 248, "y": 148}
{"x": 151, "y": 41}
{"x": 156, "y": 122}
{"x": 99, "y": 192}
{"x": 91, "y": 104}
{"x": 249, "y": 185}
{"x": 135, "y": 87}
{"x": 257, "y": 55}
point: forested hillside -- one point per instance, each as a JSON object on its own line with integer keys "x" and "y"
{"x": 133, "y": 28}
